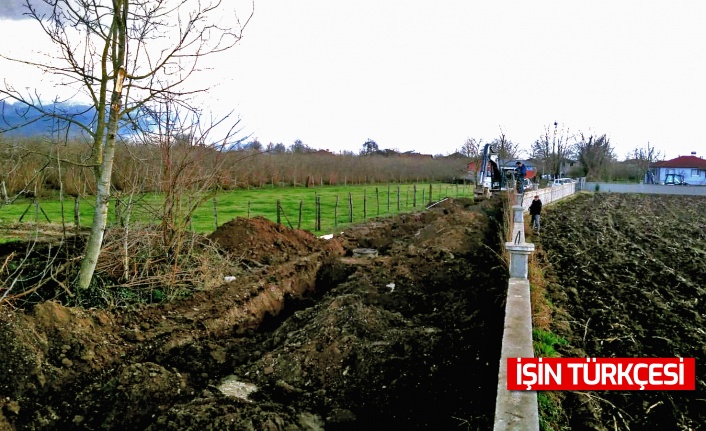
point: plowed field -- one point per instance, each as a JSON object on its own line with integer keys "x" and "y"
{"x": 630, "y": 281}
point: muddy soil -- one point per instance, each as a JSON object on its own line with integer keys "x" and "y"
{"x": 309, "y": 336}
{"x": 630, "y": 273}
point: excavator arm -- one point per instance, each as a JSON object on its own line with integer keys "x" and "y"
{"x": 489, "y": 176}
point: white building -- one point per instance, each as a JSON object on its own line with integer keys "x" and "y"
{"x": 691, "y": 168}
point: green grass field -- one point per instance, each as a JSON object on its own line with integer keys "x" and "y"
{"x": 368, "y": 201}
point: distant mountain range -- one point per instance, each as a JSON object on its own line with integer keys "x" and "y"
{"x": 21, "y": 120}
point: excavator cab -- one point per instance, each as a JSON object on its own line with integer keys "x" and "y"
{"x": 490, "y": 176}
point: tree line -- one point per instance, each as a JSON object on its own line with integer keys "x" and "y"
{"x": 559, "y": 152}
{"x": 40, "y": 165}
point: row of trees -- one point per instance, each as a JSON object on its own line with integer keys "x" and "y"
{"x": 38, "y": 165}
{"x": 558, "y": 152}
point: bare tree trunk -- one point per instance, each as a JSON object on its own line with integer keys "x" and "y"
{"x": 100, "y": 216}
{"x": 116, "y": 44}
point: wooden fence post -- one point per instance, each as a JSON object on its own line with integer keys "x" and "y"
{"x": 398, "y": 198}
{"x": 414, "y": 199}
{"x": 365, "y": 205}
{"x": 377, "y": 202}
{"x": 431, "y": 195}
{"x": 248, "y": 209}
{"x": 118, "y": 215}
{"x": 77, "y": 214}
{"x": 388, "y": 199}
{"x": 301, "y": 207}
{"x": 215, "y": 211}
{"x": 350, "y": 207}
{"x": 279, "y": 219}
{"x": 318, "y": 218}
{"x": 335, "y": 213}
{"x": 4, "y": 193}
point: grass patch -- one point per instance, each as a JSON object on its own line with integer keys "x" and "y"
{"x": 541, "y": 307}
{"x": 544, "y": 342}
{"x": 340, "y": 206}
{"x": 551, "y": 417}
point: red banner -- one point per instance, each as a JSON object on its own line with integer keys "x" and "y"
{"x": 601, "y": 374}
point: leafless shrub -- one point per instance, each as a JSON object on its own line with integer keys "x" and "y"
{"x": 153, "y": 266}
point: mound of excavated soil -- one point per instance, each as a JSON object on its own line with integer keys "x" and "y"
{"x": 259, "y": 240}
{"x": 310, "y": 338}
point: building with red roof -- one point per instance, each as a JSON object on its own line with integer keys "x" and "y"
{"x": 692, "y": 168}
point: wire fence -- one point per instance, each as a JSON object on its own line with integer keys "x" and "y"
{"x": 322, "y": 210}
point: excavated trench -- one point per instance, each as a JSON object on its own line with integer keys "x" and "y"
{"x": 313, "y": 338}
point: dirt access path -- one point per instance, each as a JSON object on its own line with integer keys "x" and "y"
{"x": 309, "y": 337}
{"x": 632, "y": 271}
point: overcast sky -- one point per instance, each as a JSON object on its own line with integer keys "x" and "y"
{"x": 424, "y": 76}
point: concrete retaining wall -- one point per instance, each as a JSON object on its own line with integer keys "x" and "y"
{"x": 645, "y": 188}
{"x": 518, "y": 410}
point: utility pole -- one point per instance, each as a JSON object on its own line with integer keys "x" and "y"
{"x": 555, "y": 155}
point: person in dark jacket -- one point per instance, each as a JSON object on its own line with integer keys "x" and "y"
{"x": 520, "y": 174}
{"x": 535, "y": 210}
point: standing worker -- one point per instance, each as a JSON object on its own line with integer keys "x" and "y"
{"x": 535, "y": 210}
{"x": 520, "y": 174}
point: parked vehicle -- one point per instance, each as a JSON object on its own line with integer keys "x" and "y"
{"x": 675, "y": 180}
{"x": 529, "y": 185}
{"x": 561, "y": 181}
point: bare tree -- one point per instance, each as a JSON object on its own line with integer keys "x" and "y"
{"x": 123, "y": 54}
{"x": 472, "y": 149}
{"x": 595, "y": 154}
{"x": 552, "y": 149}
{"x": 191, "y": 163}
{"x": 506, "y": 149}
{"x": 644, "y": 157}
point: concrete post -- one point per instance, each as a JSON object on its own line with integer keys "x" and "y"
{"x": 518, "y": 211}
{"x": 518, "y": 225}
{"x": 519, "y": 255}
